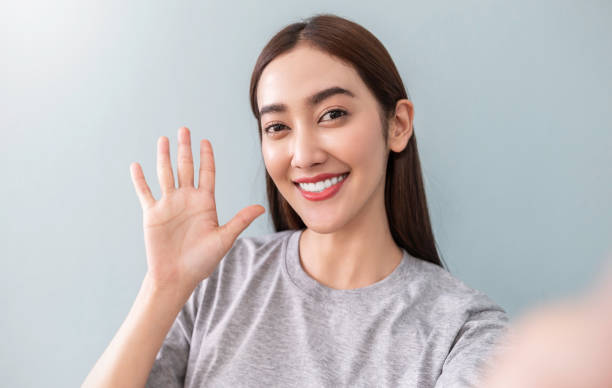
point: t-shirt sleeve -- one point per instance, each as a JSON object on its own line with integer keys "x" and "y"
{"x": 170, "y": 363}
{"x": 474, "y": 345}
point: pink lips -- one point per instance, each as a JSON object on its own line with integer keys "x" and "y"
{"x": 325, "y": 194}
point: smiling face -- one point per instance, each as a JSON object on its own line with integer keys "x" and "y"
{"x": 319, "y": 117}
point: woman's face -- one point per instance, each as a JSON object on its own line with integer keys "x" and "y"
{"x": 337, "y": 133}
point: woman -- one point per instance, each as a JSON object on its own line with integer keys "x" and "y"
{"x": 349, "y": 290}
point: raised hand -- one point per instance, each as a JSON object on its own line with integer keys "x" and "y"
{"x": 184, "y": 242}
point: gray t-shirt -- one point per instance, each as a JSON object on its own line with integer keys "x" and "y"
{"x": 260, "y": 320}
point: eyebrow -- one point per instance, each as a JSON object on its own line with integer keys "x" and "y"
{"x": 312, "y": 100}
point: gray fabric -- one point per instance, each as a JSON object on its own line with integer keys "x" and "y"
{"x": 260, "y": 320}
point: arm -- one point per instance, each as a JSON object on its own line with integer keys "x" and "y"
{"x": 562, "y": 344}
{"x": 128, "y": 359}
{"x": 184, "y": 244}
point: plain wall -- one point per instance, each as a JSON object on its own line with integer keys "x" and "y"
{"x": 512, "y": 115}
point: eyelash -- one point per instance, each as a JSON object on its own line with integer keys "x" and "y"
{"x": 268, "y": 131}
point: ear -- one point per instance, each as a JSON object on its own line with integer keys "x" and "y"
{"x": 400, "y": 125}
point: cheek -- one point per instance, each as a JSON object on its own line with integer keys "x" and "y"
{"x": 274, "y": 159}
{"x": 364, "y": 147}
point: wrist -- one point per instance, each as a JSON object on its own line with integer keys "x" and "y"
{"x": 154, "y": 288}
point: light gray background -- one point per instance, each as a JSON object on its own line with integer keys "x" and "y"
{"x": 512, "y": 103}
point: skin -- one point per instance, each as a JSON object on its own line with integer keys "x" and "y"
{"x": 347, "y": 243}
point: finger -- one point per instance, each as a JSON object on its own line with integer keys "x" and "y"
{"x": 206, "y": 181}
{"x": 185, "y": 158}
{"x": 142, "y": 188}
{"x": 235, "y": 226}
{"x": 164, "y": 167}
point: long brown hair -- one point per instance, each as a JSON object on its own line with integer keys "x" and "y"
{"x": 405, "y": 201}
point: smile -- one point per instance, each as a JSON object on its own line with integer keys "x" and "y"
{"x": 323, "y": 189}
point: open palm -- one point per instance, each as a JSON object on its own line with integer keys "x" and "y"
{"x": 183, "y": 240}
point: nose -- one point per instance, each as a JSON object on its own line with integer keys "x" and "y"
{"x": 306, "y": 148}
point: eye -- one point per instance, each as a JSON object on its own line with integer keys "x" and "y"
{"x": 335, "y": 113}
{"x": 274, "y": 128}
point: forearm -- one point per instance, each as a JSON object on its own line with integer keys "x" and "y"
{"x": 128, "y": 359}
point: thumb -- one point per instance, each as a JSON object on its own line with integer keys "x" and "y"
{"x": 235, "y": 226}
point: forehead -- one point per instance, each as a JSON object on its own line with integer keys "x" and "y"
{"x": 303, "y": 71}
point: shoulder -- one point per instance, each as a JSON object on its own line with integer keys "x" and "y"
{"x": 262, "y": 245}
{"x": 249, "y": 254}
{"x": 466, "y": 323}
{"x": 265, "y": 239}
{"x": 444, "y": 295}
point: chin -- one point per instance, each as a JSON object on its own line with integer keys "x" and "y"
{"x": 329, "y": 219}
{"x": 321, "y": 229}
{"x": 323, "y": 225}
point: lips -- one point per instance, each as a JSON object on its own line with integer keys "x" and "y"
{"x": 326, "y": 193}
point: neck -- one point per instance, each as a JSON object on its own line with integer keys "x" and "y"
{"x": 359, "y": 254}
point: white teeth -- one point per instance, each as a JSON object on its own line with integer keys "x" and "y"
{"x": 322, "y": 185}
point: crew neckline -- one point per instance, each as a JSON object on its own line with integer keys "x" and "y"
{"x": 391, "y": 284}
